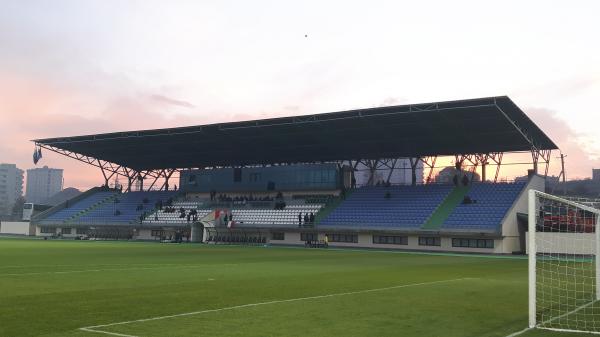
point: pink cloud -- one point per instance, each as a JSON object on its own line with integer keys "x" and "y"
{"x": 579, "y": 161}
{"x": 168, "y": 100}
{"x": 36, "y": 109}
{"x": 32, "y": 108}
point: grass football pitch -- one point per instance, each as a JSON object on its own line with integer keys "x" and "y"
{"x": 78, "y": 288}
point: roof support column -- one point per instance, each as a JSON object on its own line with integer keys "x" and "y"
{"x": 429, "y": 161}
{"x": 372, "y": 166}
{"x": 496, "y": 157}
{"x": 392, "y": 168}
{"x": 545, "y": 155}
{"x": 108, "y": 167}
{"x": 414, "y": 162}
{"x": 103, "y": 173}
{"x": 161, "y": 172}
{"x": 167, "y": 174}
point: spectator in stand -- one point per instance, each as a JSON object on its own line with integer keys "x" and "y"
{"x": 306, "y": 218}
{"x": 300, "y": 219}
{"x": 312, "y": 218}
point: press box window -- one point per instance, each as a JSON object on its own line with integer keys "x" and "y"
{"x": 429, "y": 241}
{"x": 308, "y": 236}
{"x": 390, "y": 240}
{"x": 346, "y": 238}
{"x": 473, "y": 243}
{"x": 278, "y": 236}
{"x": 48, "y": 230}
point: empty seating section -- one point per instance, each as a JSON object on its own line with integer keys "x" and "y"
{"x": 287, "y": 217}
{"x": 372, "y": 207}
{"x": 125, "y": 208}
{"x": 491, "y": 202}
{"x": 243, "y": 215}
{"x": 164, "y": 217}
{"x": 78, "y": 207}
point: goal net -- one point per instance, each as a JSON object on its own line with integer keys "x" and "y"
{"x": 564, "y": 271}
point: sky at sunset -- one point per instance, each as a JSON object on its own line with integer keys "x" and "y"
{"x": 81, "y": 67}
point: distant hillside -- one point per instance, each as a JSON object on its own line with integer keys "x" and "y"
{"x": 62, "y": 196}
{"x": 585, "y": 188}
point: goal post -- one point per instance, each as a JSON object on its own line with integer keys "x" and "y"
{"x": 564, "y": 268}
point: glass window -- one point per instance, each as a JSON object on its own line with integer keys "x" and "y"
{"x": 278, "y": 236}
{"x": 429, "y": 241}
{"x": 473, "y": 243}
{"x": 48, "y": 230}
{"x": 308, "y": 236}
{"x": 347, "y": 238}
{"x": 390, "y": 239}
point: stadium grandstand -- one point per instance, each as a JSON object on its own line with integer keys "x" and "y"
{"x": 292, "y": 180}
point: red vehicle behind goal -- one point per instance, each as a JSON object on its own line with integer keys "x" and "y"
{"x": 570, "y": 220}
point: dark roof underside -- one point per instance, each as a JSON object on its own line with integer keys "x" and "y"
{"x": 483, "y": 125}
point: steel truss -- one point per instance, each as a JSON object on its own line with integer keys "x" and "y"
{"x": 544, "y": 155}
{"x": 536, "y": 149}
{"x": 483, "y": 160}
{"x": 159, "y": 178}
{"x": 373, "y": 165}
{"x": 110, "y": 170}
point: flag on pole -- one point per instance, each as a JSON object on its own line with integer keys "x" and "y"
{"x": 36, "y": 157}
{"x": 37, "y": 154}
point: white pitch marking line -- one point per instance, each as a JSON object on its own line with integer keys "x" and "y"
{"x": 158, "y": 266}
{"x": 94, "y": 328}
{"x": 514, "y": 334}
{"x": 541, "y": 325}
{"x": 106, "y": 332}
{"x": 101, "y": 270}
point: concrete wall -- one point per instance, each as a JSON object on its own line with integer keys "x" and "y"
{"x": 16, "y": 228}
{"x": 144, "y": 234}
{"x": 290, "y": 238}
{"x": 57, "y": 230}
{"x": 565, "y": 243}
{"x": 510, "y": 228}
{"x": 365, "y": 240}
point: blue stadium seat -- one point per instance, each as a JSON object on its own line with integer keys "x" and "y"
{"x": 127, "y": 207}
{"x": 492, "y": 202}
{"x": 407, "y": 207}
{"x": 67, "y": 213}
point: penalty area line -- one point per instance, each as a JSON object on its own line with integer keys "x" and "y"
{"x": 97, "y": 328}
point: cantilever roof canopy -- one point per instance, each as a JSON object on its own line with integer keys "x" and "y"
{"x": 482, "y": 125}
